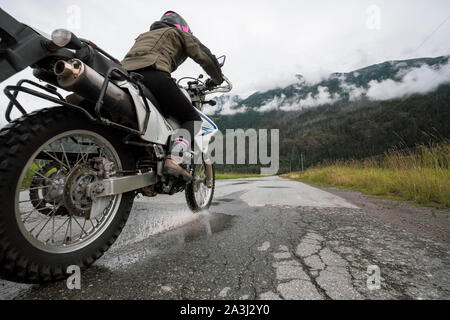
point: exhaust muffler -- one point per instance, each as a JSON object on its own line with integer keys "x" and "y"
{"x": 76, "y": 76}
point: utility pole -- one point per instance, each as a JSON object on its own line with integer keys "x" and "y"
{"x": 301, "y": 156}
{"x": 290, "y": 158}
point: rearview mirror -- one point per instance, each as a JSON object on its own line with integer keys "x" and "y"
{"x": 221, "y": 60}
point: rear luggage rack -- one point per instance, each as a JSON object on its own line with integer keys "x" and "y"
{"x": 12, "y": 92}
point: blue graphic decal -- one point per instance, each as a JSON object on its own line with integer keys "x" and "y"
{"x": 207, "y": 130}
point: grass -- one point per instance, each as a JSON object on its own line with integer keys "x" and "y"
{"x": 224, "y": 176}
{"x": 422, "y": 176}
{"x": 29, "y": 175}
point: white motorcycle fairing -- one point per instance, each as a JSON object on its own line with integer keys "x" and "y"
{"x": 160, "y": 129}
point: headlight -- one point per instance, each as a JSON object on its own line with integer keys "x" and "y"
{"x": 61, "y": 37}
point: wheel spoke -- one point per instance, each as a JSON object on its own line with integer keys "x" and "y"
{"x": 87, "y": 151}
{"x": 82, "y": 155}
{"x": 78, "y": 154}
{"x": 54, "y": 155}
{"x": 65, "y": 155}
{"x": 49, "y": 219}
{"x": 82, "y": 227}
{"x": 59, "y": 228}
{"x": 67, "y": 230}
{"x": 30, "y": 212}
{"x": 44, "y": 218}
{"x": 57, "y": 160}
{"x": 93, "y": 226}
{"x": 71, "y": 237}
{"x": 34, "y": 188}
{"x": 24, "y": 201}
{"x": 31, "y": 231}
{"x": 53, "y": 229}
{"x": 41, "y": 175}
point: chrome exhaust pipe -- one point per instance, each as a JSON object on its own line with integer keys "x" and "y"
{"x": 63, "y": 69}
{"x": 76, "y": 76}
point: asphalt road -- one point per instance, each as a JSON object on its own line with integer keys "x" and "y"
{"x": 265, "y": 238}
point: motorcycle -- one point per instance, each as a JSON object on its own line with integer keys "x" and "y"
{"x": 69, "y": 174}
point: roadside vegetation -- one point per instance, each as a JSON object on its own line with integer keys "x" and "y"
{"x": 224, "y": 176}
{"x": 31, "y": 172}
{"x": 421, "y": 176}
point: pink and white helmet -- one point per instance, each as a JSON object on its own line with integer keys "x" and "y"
{"x": 174, "y": 19}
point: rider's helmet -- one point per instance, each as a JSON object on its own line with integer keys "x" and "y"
{"x": 174, "y": 19}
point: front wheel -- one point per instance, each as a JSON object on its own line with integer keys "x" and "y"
{"x": 48, "y": 221}
{"x": 198, "y": 195}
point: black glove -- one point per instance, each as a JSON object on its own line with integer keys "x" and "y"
{"x": 209, "y": 84}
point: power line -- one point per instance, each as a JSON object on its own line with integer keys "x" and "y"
{"x": 431, "y": 34}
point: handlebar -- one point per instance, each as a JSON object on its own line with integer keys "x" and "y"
{"x": 199, "y": 86}
{"x": 222, "y": 89}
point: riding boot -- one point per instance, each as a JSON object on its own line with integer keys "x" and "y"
{"x": 172, "y": 165}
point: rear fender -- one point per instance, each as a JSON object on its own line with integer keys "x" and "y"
{"x": 21, "y": 46}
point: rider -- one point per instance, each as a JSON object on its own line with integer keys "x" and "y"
{"x": 155, "y": 55}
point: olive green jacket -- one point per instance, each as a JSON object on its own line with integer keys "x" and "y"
{"x": 166, "y": 48}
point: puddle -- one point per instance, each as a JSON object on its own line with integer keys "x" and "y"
{"x": 206, "y": 225}
{"x": 142, "y": 225}
{"x": 225, "y": 200}
{"x": 274, "y": 187}
{"x": 218, "y": 202}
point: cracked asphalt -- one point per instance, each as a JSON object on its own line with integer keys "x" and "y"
{"x": 269, "y": 239}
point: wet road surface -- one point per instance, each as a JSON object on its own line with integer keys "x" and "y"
{"x": 265, "y": 238}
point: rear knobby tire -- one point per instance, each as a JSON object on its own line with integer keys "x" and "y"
{"x": 20, "y": 260}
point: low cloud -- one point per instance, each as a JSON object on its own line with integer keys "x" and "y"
{"x": 227, "y": 106}
{"x": 420, "y": 80}
{"x": 322, "y": 97}
{"x": 273, "y": 104}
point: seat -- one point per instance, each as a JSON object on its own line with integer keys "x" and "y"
{"x": 149, "y": 95}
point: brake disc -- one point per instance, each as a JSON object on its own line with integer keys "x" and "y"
{"x": 76, "y": 198}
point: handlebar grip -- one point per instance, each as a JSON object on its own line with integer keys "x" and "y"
{"x": 211, "y": 102}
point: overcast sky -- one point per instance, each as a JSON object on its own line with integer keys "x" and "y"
{"x": 266, "y": 42}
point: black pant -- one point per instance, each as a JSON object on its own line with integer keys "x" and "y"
{"x": 171, "y": 99}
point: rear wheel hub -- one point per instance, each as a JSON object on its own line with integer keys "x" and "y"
{"x": 76, "y": 197}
